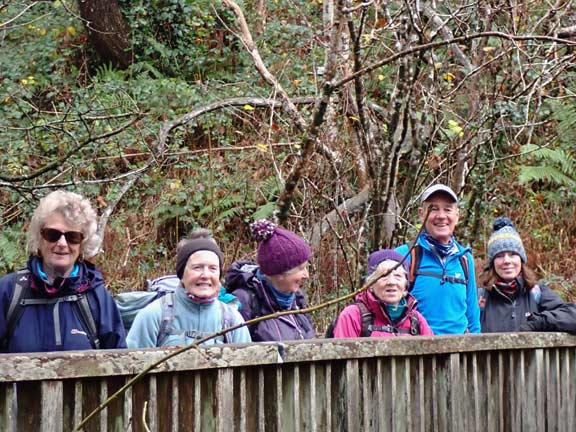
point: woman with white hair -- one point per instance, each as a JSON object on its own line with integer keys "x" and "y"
{"x": 59, "y": 301}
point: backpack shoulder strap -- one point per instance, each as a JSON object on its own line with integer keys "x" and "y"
{"x": 536, "y": 294}
{"x": 414, "y": 325}
{"x": 167, "y": 302}
{"x": 465, "y": 267}
{"x": 482, "y": 294}
{"x": 367, "y": 319}
{"x": 15, "y": 310}
{"x": 87, "y": 319}
{"x": 415, "y": 258}
{"x": 227, "y": 319}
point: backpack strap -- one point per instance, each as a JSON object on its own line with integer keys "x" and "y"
{"x": 167, "y": 304}
{"x": 536, "y": 294}
{"x": 84, "y": 312}
{"x": 416, "y": 257}
{"x": 414, "y": 325}
{"x": 482, "y": 295}
{"x": 367, "y": 320}
{"x": 15, "y": 310}
{"x": 227, "y": 319}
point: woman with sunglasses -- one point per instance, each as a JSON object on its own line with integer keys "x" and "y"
{"x": 59, "y": 301}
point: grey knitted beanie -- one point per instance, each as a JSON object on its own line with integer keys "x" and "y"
{"x": 504, "y": 239}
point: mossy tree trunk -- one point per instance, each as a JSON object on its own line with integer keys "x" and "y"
{"x": 107, "y": 31}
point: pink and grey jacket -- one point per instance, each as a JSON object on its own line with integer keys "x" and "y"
{"x": 349, "y": 323}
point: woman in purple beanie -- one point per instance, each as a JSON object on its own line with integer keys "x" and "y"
{"x": 386, "y": 308}
{"x": 273, "y": 284}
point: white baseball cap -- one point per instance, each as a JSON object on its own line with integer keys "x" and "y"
{"x": 439, "y": 187}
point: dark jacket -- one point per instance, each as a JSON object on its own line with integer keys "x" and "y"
{"x": 539, "y": 310}
{"x": 56, "y": 327}
{"x": 256, "y": 300}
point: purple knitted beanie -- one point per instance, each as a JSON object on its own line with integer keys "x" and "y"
{"x": 279, "y": 250}
{"x": 381, "y": 255}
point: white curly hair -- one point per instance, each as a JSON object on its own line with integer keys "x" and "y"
{"x": 75, "y": 209}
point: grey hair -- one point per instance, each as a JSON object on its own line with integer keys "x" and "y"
{"x": 75, "y": 209}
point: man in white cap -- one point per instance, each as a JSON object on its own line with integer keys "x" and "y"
{"x": 441, "y": 270}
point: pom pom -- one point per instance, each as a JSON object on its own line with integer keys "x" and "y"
{"x": 501, "y": 222}
{"x": 262, "y": 229}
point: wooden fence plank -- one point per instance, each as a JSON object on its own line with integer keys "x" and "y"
{"x": 446, "y": 383}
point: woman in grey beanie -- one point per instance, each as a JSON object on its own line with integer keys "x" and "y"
{"x": 511, "y": 300}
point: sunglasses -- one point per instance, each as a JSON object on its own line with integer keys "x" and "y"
{"x": 53, "y": 235}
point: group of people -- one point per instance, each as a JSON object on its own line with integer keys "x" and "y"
{"x": 425, "y": 287}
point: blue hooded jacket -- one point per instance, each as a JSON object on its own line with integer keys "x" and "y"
{"x": 56, "y": 327}
{"x": 449, "y": 307}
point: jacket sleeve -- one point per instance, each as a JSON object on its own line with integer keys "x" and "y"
{"x": 145, "y": 328}
{"x": 241, "y": 335}
{"x": 6, "y": 292}
{"x": 472, "y": 308}
{"x": 349, "y": 323}
{"x": 554, "y": 315}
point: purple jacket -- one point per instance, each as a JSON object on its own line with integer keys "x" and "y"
{"x": 256, "y": 300}
{"x": 349, "y": 323}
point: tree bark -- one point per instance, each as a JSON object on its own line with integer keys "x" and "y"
{"x": 107, "y": 31}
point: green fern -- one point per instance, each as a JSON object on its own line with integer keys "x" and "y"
{"x": 554, "y": 164}
{"x": 545, "y": 173}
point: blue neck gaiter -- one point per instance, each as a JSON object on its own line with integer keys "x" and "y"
{"x": 395, "y": 311}
{"x": 284, "y": 300}
{"x": 443, "y": 249}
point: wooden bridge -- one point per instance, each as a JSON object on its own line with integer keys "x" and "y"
{"x": 498, "y": 382}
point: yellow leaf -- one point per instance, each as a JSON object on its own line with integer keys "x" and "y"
{"x": 488, "y": 49}
{"x": 248, "y": 107}
{"x": 42, "y": 31}
{"x": 7, "y": 99}
{"x": 380, "y": 77}
{"x": 297, "y": 146}
{"x": 455, "y": 127}
{"x": 71, "y": 30}
{"x": 24, "y": 81}
{"x": 262, "y": 147}
{"x": 297, "y": 82}
{"x": 447, "y": 76}
{"x": 353, "y": 118}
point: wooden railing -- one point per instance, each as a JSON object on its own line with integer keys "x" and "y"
{"x": 506, "y": 382}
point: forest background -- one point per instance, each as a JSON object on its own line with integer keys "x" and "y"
{"x": 328, "y": 116}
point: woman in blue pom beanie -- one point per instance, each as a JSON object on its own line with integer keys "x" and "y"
{"x": 512, "y": 300}
{"x": 273, "y": 284}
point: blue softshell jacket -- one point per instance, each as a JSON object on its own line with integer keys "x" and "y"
{"x": 42, "y": 327}
{"x": 449, "y": 307}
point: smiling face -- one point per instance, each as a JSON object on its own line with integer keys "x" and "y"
{"x": 201, "y": 276}
{"x": 392, "y": 287}
{"x": 58, "y": 257}
{"x": 443, "y": 216}
{"x": 507, "y": 265}
{"x": 290, "y": 281}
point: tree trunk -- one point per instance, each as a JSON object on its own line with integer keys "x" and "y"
{"x": 107, "y": 31}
